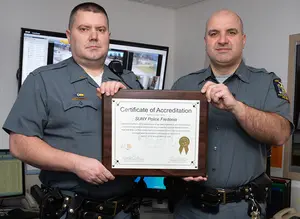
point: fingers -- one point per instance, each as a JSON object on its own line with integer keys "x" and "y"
{"x": 99, "y": 94}
{"x": 107, "y": 174}
{"x": 206, "y": 86}
{"x": 211, "y": 89}
{"x": 199, "y": 179}
{"x": 217, "y": 95}
{"x": 109, "y": 88}
{"x": 188, "y": 179}
{"x": 214, "y": 92}
{"x": 119, "y": 86}
{"x": 195, "y": 179}
{"x": 101, "y": 177}
{"x": 97, "y": 181}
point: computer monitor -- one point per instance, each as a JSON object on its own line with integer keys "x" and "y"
{"x": 148, "y": 62}
{"x": 155, "y": 187}
{"x": 39, "y": 48}
{"x": 12, "y": 176}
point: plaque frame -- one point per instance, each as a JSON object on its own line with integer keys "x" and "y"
{"x": 155, "y": 94}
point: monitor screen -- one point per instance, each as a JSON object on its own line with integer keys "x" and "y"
{"x": 148, "y": 62}
{"x": 12, "y": 177}
{"x": 155, "y": 187}
{"x": 153, "y": 182}
{"x": 39, "y": 48}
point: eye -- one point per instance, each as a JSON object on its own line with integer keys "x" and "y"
{"x": 102, "y": 30}
{"x": 232, "y": 33}
{"x": 83, "y": 29}
{"x": 212, "y": 34}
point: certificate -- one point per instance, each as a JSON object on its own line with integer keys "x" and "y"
{"x": 155, "y": 133}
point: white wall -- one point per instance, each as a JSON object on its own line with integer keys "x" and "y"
{"x": 267, "y": 24}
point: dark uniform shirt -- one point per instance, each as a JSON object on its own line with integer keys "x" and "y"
{"x": 58, "y": 104}
{"x": 233, "y": 157}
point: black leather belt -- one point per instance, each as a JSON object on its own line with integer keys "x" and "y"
{"x": 218, "y": 196}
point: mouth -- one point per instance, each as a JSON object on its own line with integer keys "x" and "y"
{"x": 223, "y": 49}
{"x": 93, "y": 47}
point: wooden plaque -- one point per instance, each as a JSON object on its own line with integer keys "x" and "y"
{"x": 199, "y": 169}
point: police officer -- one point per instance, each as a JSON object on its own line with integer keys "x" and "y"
{"x": 248, "y": 109}
{"x": 55, "y": 123}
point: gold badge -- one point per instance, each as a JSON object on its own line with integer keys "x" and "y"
{"x": 184, "y": 144}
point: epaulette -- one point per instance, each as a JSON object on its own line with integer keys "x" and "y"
{"x": 257, "y": 70}
{"x": 198, "y": 72}
{"x": 125, "y": 71}
{"x": 194, "y": 73}
{"x": 50, "y": 67}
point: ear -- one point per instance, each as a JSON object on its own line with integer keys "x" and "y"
{"x": 244, "y": 40}
{"x": 68, "y": 33}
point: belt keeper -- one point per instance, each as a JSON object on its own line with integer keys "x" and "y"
{"x": 222, "y": 191}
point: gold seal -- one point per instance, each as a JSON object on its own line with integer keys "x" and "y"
{"x": 184, "y": 144}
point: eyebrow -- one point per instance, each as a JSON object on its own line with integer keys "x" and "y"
{"x": 215, "y": 30}
{"x": 90, "y": 26}
{"x": 233, "y": 29}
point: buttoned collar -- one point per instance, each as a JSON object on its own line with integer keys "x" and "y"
{"x": 242, "y": 73}
{"x": 77, "y": 73}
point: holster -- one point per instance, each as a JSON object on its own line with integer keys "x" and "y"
{"x": 261, "y": 188}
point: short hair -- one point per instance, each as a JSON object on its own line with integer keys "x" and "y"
{"x": 239, "y": 18}
{"x": 87, "y": 6}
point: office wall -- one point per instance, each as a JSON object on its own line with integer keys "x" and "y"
{"x": 267, "y": 24}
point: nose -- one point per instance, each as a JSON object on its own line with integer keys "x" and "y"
{"x": 223, "y": 39}
{"x": 93, "y": 35}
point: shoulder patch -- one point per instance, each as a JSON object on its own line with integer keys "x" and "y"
{"x": 280, "y": 90}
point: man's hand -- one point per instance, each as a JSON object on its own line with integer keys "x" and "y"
{"x": 219, "y": 95}
{"x": 92, "y": 171}
{"x": 195, "y": 179}
{"x": 109, "y": 88}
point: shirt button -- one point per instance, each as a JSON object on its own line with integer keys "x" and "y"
{"x": 215, "y": 148}
{"x": 213, "y": 169}
{"x": 217, "y": 127}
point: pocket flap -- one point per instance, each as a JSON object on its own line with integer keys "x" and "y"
{"x": 79, "y": 103}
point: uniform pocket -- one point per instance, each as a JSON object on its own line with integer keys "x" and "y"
{"x": 83, "y": 115}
